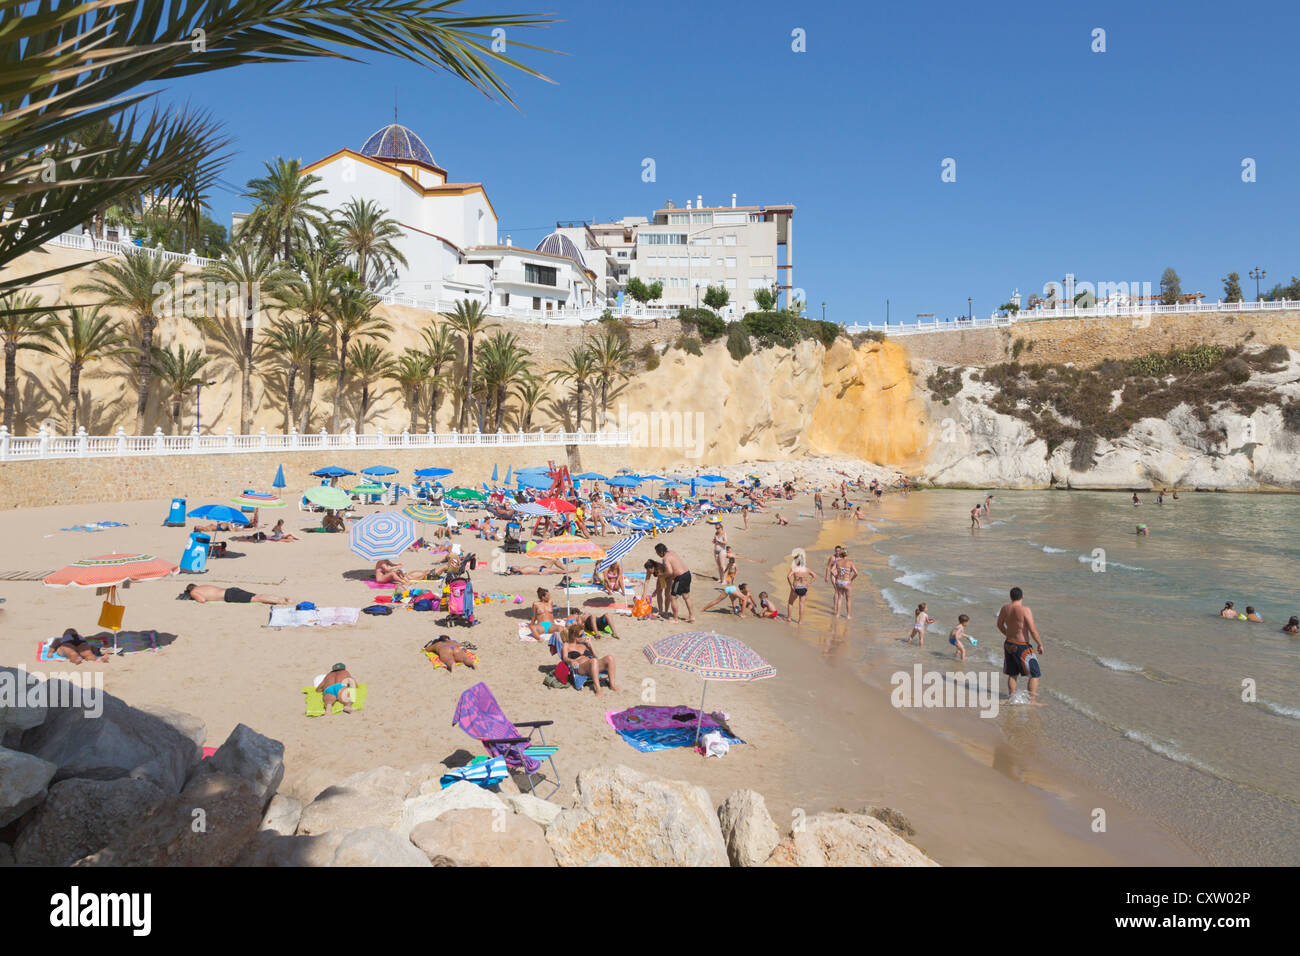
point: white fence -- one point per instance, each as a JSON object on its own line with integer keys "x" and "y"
{"x": 90, "y": 244}
{"x": 1128, "y": 310}
{"x": 561, "y": 316}
{"x": 47, "y": 445}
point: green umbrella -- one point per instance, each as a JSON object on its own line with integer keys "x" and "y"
{"x": 327, "y": 497}
{"x": 465, "y": 494}
{"x": 369, "y": 488}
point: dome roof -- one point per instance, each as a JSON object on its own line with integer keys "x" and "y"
{"x": 557, "y": 244}
{"x": 397, "y": 142}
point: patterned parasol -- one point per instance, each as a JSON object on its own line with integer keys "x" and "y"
{"x": 713, "y": 656}
{"x": 385, "y": 534}
{"x": 110, "y": 570}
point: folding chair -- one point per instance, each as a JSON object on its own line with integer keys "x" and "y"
{"x": 480, "y": 716}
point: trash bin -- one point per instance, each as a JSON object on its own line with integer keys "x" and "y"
{"x": 195, "y": 558}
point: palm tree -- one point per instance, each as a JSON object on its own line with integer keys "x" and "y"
{"x": 352, "y": 317}
{"x": 24, "y": 324}
{"x": 312, "y": 292}
{"x": 365, "y": 231}
{"x": 284, "y": 215}
{"x": 133, "y": 283}
{"x": 178, "y": 371}
{"x": 469, "y": 319}
{"x": 299, "y": 346}
{"x": 530, "y": 392}
{"x": 86, "y": 336}
{"x": 249, "y": 270}
{"x": 411, "y": 373}
{"x": 441, "y": 350}
{"x": 502, "y": 363}
{"x": 82, "y": 67}
{"x": 369, "y": 363}
{"x": 578, "y": 367}
{"x": 611, "y": 357}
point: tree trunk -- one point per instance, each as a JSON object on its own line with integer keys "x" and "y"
{"x": 338, "y": 385}
{"x": 365, "y": 407}
{"x": 288, "y": 408}
{"x": 176, "y": 414}
{"x": 145, "y": 372}
{"x": 435, "y": 399}
{"x": 246, "y": 373}
{"x": 469, "y": 381}
{"x": 308, "y": 389}
{"x": 415, "y": 410}
{"x": 11, "y": 383}
{"x": 74, "y": 392}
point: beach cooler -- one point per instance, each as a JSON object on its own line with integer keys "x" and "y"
{"x": 176, "y": 517}
{"x": 195, "y": 558}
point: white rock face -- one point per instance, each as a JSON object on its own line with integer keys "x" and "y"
{"x": 376, "y": 846}
{"x": 459, "y": 796}
{"x": 542, "y": 812}
{"x": 479, "y": 837}
{"x": 747, "y": 828}
{"x": 846, "y": 839}
{"x": 282, "y": 815}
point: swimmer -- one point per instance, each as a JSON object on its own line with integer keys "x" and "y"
{"x": 975, "y": 518}
{"x": 1136, "y": 499}
{"x": 988, "y": 500}
{"x": 1292, "y": 626}
{"x": 1143, "y": 531}
{"x": 1229, "y": 611}
{"x": 1253, "y": 616}
{"x": 957, "y": 636}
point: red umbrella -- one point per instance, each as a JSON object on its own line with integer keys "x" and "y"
{"x": 557, "y": 504}
{"x": 109, "y": 571}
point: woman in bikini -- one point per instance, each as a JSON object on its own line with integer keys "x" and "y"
{"x": 612, "y": 579}
{"x": 390, "y": 572}
{"x": 450, "y": 652}
{"x": 799, "y": 580}
{"x": 576, "y": 651}
{"x": 843, "y": 571}
{"x": 279, "y": 534}
{"x": 719, "y": 547}
{"x": 544, "y": 621}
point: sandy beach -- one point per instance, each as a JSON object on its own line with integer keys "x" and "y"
{"x": 817, "y": 735}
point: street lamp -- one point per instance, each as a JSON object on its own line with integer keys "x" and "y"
{"x": 1257, "y": 273}
{"x": 968, "y": 308}
{"x": 823, "y": 311}
{"x": 198, "y": 403}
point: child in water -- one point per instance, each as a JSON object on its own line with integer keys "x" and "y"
{"x": 957, "y": 636}
{"x": 918, "y": 626}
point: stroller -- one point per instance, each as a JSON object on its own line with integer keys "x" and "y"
{"x": 460, "y": 602}
{"x": 513, "y": 541}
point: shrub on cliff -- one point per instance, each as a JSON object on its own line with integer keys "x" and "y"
{"x": 649, "y": 356}
{"x": 944, "y": 384}
{"x": 861, "y": 337}
{"x": 1085, "y": 446}
{"x": 824, "y": 332}
{"x": 689, "y": 343}
{"x": 705, "y": 322}
{"x": 738, "y": 341}
{"x": 1291, "y": 416}
{"x": 772, "y": 328}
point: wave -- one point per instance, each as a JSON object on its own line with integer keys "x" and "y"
{"x": 1163, "y": 748}
{"x": 917, "y": 581}
{"x": 1115, "y": 664}
{"x": 895, "y": 605}
{"x": 1282, "y": 710}
{"x": 1088, "y": 559}
{"x": 1048, "y": 549}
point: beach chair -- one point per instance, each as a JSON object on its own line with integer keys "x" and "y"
{"x": 176, "y": 516}
{"x": 480, "y": 716}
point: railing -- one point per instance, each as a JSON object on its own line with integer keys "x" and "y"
{"x": 574, "y": 315}
{"x": 1126, "y": 310}
{"x": 89, "y": 243}
{"x": 81, "y": 445}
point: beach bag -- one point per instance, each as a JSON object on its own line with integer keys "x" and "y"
{"x": 424, "y": 604}
{"x": 562, "y": 673}
{"x": 713, "y": 744}
{"x": 641, "y": 609}
{"x": 377, "y": 609}
{"x": 110, "y": 616}
{"x": 305, "y": 606}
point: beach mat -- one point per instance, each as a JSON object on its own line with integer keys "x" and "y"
{"x": 525, "y": 634}
{"x": 433, "y": 659}
{"x": 316, "y": 701}
{"x": 128, "y": 642}
{"x": 319, "y": 617}
{"x": 649, "y": 729}
{"x": 26, "y": 575}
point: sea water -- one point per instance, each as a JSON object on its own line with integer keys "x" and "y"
{"x": 1189, "y": 719}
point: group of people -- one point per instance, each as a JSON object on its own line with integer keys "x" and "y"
{"x": 1230, "y": 613}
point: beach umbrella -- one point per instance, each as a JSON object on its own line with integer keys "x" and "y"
{"x": 534, "y": 510}
{"x": 432, "y": 472}
{"x": 536, "y": 482}
{"x": 712, "y": 479}
{"x": 110, "y": 571}
{"x": 692, "y": 487}
{"x": 426, "y": 514}
{"x": 279, "y": 478}
{"x": 465, "y": 494}
{"x": 619, "y": 548}
{"x": 385, "y": 534}
{"x": 507, "y": 474}
{"x": 558, "y": 505}
{"x": 378, "y": 471}
{"x": 331, "y": 471}
{"x": 327, "y": 497}
{"x": 653, "y": 478}
{"x": 258, "y": 499}
{"x": 624, "y": 481}
{"x": 712, "y": 656}
{"x": 368, "y": 488}
{"x": 566, "y": 547}
{"x": 673, "y": 483}
{"x": 219, "y": 513}
{"x": 591, "y": 476}
{"x": 494, "y": 472}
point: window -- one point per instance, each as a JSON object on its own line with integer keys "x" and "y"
{"x": 662, "y": 238}
{"x": 699, "y": 262}
{"x": 731, "y": 262}
{"x": 729, "y": 218}
{"x": 760, "y": 262}
{"x": 537, "y": 302}
{"x": 755, "y": 217}
{"x": 702, "y": 219}
{"x": 731, "y": 283}
{"x": 539, "y": 275}
{"x": 760, "y": 282}
{"x": 728, "y": 240}
{"x": 679, "y": 218}
{"x": 701, "y": 241}
{"x": 505, "y": 298}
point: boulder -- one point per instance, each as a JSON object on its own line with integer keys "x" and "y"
{"x": 542, "y": 812}
{"x": 379, "y": 780}
{"x": 478, "y": 837}
{"x": 747, "y": 828}
{"x": 459, "y": 796}
{"x": 19, "y": 709}
{"x": 376, "y": 846}
{"x": 603, "y": 859}
{"x": 81, "y": 816}
{"x": 268, "y": 848}
{"x": 282, "y": 815}
{"x": 23, "y": 779}
{"x": 639, "y": 820}
{"x": 351, "y": 806}
{"x": 846, "y": 839}
{"x": 178, "y": 834}
{"x": 158, "y": 745}
{"x": 6, "y": 855}
{"x": 424, "y": 779}
{"x": 256, "y": 758}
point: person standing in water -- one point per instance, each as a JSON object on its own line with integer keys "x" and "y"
{"x": 1136, "y": 499}
{"x": 1016, "y": 622}
{"x": 818, "y": 505}
{"x": 799, "y": 579}
{"x": 919, "y": 625}
{"x": 988, "y": 500}
{"x": 843, "y": 571}
{"x": 975, "y": 518}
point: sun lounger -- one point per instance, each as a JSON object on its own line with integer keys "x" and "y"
{"x": 480, "y": 716}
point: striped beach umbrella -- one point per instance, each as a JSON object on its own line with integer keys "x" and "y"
{"x": 258, "y": 499}
{"x": 111, "y": 570}
{"x": 368, "y": 488}
{"x": 385, "y": 534}
{"x": 712, "y": 656}
{"x": 619, "y": 548}
{"x": 534, "y": 510}
{"x": 425, "y": 514}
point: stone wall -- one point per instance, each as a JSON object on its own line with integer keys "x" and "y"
{"x": 1089, "y": 341}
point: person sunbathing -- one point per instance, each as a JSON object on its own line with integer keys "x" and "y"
{"x": 546, "y": 567}
{"x": 450, "y": 652}
{"x": 338, "y": 685}
{"x": 209, "y": 593}
{"x": 597, "y": 626}
{"x": 576, "y": 651}
{"x": 279, "y": 534}
{"x": 543, "y": 620}
{"x": 215, "y": 526}
{"x": 73, "y": 647}
{"x": 390, "y": 572}
{"x": 331, "y": 522}
{"x": 611, "y": 579}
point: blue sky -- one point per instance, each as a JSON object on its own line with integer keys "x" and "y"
{"x": 1109, "y": 165}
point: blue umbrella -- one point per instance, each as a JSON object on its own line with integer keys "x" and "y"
{"x": 385, "y": 534}
{"x": 712, "y": 479}
{"x": 625, "y": 481}
{"x": 591, "y": 476}
{"x": 692, "y": 487}
{"x": 619, "y": 548}
{"x": 507, "y": 474}
{"x": 653, "y": 478}
{"x": 379, "y": 470}
{"x": 533, "y": 481}
{"x": 674, "y": 484}
{"x": 494, "y": 472}
{"x": 432, "y": 472}
{"x": 219, "y": 513}
{"x": 279, "y": 478}
{"x": 332, "y": 471}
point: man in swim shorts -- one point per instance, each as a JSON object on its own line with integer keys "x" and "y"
{"x": 1016, "y": 622}
{"x": 207, "y": 593}
{"x": 679, "y": 580}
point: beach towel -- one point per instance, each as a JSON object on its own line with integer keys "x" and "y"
{"x": 376, "y": 586}
{"x": 316, "y": 701}
{"x": 318, "y": 617}
{"x": 484, "y": 771}
{"x": 128, "y": 642}
{"x": 649, "y": 729}
{"x": 480, "y": 716}
{"x": 525, "y": 634}
{"x": 96, "y": 526}
{"x": 433, "y": 658}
